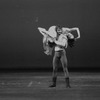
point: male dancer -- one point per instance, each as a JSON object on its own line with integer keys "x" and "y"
{"x": 64, "y": 34}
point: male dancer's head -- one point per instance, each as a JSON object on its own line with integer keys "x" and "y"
{"x": 58, "y": 30}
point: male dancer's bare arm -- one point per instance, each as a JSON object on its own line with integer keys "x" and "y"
{"x": 70, "y": 36}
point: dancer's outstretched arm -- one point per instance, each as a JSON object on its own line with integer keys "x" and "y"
{"x": 43, "y": 31}
{"x": 69, "y": 30}
{"x": 78, "y": 32}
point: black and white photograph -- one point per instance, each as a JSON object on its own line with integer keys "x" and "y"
{"x": 49, "y": 50}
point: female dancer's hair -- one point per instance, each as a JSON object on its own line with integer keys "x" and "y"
{"x": 71, "y": 42}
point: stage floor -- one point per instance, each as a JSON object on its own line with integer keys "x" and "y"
{"x": 35, "y": 86}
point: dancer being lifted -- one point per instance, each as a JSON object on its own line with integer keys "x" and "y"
{"x": 59, "y": 38}
{"x": 48, "y": 39}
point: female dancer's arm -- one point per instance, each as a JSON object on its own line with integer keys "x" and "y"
{"x": 43, "y": 31}
{"x": 78, "y": 32}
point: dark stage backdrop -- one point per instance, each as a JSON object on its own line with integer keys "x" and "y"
{"x": 21, "y": 42}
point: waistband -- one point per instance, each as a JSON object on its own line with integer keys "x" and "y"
{"x": 61, "y": 50}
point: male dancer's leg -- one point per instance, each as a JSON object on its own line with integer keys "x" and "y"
{"x": 65, "y": 69}
{"x": 56, "y": 60}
